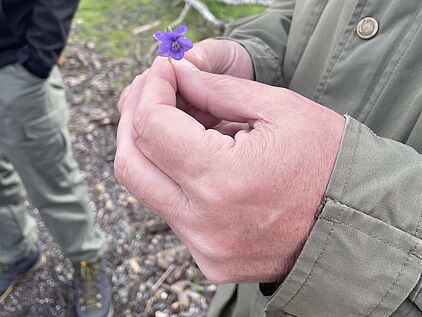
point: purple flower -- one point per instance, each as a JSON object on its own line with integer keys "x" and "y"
{"x": 173, "y": 44}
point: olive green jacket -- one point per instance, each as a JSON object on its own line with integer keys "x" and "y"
{"x": 364, "y": 254}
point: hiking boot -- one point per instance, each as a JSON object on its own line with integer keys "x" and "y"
{"x": 12, "y": 274}
{"x": 92, "y": 290}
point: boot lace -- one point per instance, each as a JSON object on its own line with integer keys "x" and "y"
{"x": 90, "y": 298}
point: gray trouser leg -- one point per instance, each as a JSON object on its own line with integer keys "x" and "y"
{"x": 14, "y": 243}
{"x": 34, "y": 137}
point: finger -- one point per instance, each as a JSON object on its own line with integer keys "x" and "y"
{"x": 126, "y": 91}
{"x": 123, "y": 96}
{"x": 174, "y": 141}
{"x": 205, "y": 118}
{"x": 161, "y": 83}
{"x": 224, "y": 97}
{"x": 221, "y": 57}
{"x": 232, "y": 128}
{"x": 208, "y": 56}
{"x": 140, "y": 176}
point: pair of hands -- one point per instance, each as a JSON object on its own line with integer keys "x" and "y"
{"x": 236, "y": 168}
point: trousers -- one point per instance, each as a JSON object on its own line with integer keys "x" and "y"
{"x": 36, "y": 161}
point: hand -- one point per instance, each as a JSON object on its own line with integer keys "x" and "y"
{"x": 221, "y": 57}
{"x": 218, "y": 57}
{"x": 243, "y": 205}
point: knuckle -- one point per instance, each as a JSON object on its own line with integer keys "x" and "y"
{"x": 144, "y": 123}
{"x": 218, "y": 81}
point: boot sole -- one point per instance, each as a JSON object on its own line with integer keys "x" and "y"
{"x": 40, "y": 264}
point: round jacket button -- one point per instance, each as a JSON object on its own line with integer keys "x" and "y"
{"x": 367, "y": 28}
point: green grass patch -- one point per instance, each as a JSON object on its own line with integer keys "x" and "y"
{"x": 108, "y": 24}
{"x": 230, "y": 13}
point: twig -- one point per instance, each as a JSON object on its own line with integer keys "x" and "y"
{"x": 81, "y": 58}
{"x": 61, "y": 298}
{"x": 163, "y": 277}
{"x": 181, "y": 16}
{"x": 157, "y": 285}
{"x": 146, "y": 27}
{"x": 206, "y": 14}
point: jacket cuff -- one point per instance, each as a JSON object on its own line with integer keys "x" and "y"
{"x": 364, "y": 255}
{"x": 266, "y": 63}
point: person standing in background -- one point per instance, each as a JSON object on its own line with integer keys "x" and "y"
{"x": 35, "y": 154}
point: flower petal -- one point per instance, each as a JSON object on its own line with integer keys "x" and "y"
{"x": 178, "y": 55}
{"x": 181, "y": 30}
{"x": 163, "y": 36}
{"x": 184, "y": 43}
{"x": 164, "y": 49}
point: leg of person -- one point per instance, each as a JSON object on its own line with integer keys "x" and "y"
{"x": 38, "y": 143}
{"x": 19, "y": 252}
{"x": 17, "y": 228}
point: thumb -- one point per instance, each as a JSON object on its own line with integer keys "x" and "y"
{"x": 225, "y": 97}
{"x": 221, "y": 57}
{"x": 171, "y": 139}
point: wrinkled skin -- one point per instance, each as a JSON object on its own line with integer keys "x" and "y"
{"x": 241, "y": 195}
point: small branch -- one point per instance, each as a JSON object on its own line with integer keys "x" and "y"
{"x": 206, "y": 14}
{"x": 146, "y": 27}
{"x": 181, "y": 16}
{"x": 240, "y": 2}
{"x": 163, "y": 278}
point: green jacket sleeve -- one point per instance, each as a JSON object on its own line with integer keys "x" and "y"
{"x": 265, "y": 37}
{"x": 364, "y": 254}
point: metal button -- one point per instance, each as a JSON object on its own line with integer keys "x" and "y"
{"x": 367, "y": 28}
